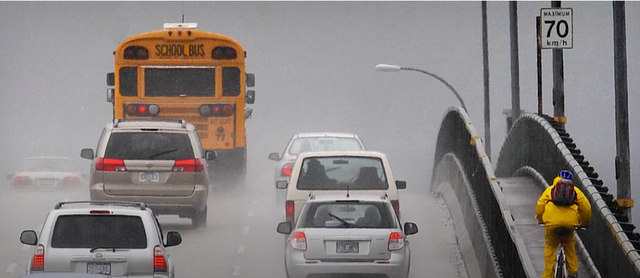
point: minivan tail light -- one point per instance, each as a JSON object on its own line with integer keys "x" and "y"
{"x": 396, "y": 207}
{"x": 110, "y": 165}
{"x": 396, "y": 241}
{"x": 37, "y": 263}
{"x": 289, "y": 209}
{"x": 299, "y": 241}
{"x": 159, "y": 263}
{"x": 188, "y": 165}
{"x": 286, "y": 170}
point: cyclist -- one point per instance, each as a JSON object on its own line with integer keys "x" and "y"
{"x": 554, "y": 216}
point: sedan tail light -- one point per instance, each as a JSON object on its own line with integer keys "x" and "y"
{"x": 188, "y": 165}
{"x": 299, "y": 241}
{"x": 72, "y": 180}
{"x": 110, "y": 165}
{"x": 21, "y": 180}
{"x": 37, "y": 263}
{"x": 396, "y": 241}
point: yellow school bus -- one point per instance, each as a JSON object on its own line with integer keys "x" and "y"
{"x": 184, "y": 73}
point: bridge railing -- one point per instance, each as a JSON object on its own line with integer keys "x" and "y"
{"x": 458, "y": 137}
{"x": 534, "y": 142}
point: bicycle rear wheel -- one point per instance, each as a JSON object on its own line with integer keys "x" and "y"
{"x": 560, "y": 265}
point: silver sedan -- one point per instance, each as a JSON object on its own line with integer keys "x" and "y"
{"x": 338, "y": 235}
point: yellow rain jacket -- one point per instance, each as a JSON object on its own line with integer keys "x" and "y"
{"x": 553, "y": 216}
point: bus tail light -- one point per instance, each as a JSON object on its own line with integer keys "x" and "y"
{"x": 159, "y": 262}
{"x": 216, "y": 110}
{"x": 136, "y": 109}
{"x": 289, "y": 209}
{"x": 110, "y": 165}
{"x": 37, "y": 262}
{"x": 286, "y": 170}
{"x": 188, "y": 165}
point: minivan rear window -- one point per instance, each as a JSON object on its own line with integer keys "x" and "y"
{"x": 341, "y": 173}
{"x": 149, "y": 146}
{"x": 102, "y": 231}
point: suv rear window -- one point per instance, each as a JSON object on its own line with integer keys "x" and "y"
{"x": 104, "y": 231}
{"x": 342, "y": 215}
{"x": 341, "y": 173}
{"x": 149, "y": 146}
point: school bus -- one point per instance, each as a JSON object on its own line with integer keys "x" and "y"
{"x": 181, "y": 72}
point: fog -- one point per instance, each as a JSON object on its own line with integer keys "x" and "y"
{"x": 314, "y": 66}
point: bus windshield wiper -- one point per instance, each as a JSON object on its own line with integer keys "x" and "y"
{"x": 163, "y": 152}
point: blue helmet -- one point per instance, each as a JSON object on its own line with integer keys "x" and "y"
{"x": 566, "y": 174}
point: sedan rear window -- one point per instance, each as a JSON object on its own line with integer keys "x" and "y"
{"x": 342, "y": 215}
{"x": 341, "y": 173}
{"x": 101, "y": 231}
{"x": 149, "y": 146}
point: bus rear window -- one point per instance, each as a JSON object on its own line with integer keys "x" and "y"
{"x": 175, "y": 82}
{"x": 128, "y": 81}
{"x": 149, "y": 146}
{"x": 104, "y": 231}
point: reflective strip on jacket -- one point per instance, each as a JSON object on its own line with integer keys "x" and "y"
{"x": 550, "y": 214}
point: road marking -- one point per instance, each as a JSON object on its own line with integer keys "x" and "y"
{"x": 245, "y": 230}
{"x": 11, "y": 267}
{"x": 236, "y": 270}
{"x": 240, "y": 249}
{"x": 250, "y": 214}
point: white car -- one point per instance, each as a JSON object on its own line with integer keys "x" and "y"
{"x": 305, "y": 142}
{"x": 46, "y": 172}
{"x": 339, "y": 171}
{"x": 347, "y": 234}
{"x": 118, "y": 239}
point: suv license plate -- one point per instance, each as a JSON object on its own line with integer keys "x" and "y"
{"x": 347, "y": 247}
{"x": 149, "y": 177}
{"x": 99, "y": 268}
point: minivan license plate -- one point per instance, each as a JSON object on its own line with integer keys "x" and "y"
{"x": 99, "y": 268}
{"x": 347, "y": 247}
{"x": 149, "y": 177}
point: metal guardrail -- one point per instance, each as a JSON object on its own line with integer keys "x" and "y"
{"x": 534, "y": 142}
{"x": 457, "y": 136}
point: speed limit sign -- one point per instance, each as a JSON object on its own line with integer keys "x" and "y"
{"x": 556, "y": 27}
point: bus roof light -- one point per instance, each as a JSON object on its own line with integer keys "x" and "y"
{"x": 172, "y": 26}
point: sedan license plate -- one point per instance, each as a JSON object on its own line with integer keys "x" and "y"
{"x": 347, "y": 247}
{"x": 149, "y": 177}
{"x": 99, "y": 268}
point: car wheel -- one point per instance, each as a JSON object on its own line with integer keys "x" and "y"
{"x": 199, "y": 218}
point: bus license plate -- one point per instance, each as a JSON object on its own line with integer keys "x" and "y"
{"x": 347, "y": 247}
{"x": 149, "y": 177}
{"x": 99, "y": 268}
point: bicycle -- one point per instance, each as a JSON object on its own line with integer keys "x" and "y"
{"x": 560, "y": 267}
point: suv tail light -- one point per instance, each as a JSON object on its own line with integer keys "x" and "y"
{"x": 396, "y": 241}
{"x": 159, "y": 263}
{"x": 21, "y": 180}
{"x": 188, "y": 165}
{"x": 286, "y": 170}
{"x": 37, "y": 263}
{"x": 289, "y": 208}
{"x": 396, "y": 207}
{"x": 110, "y": 165}
{"x": 299, "y": 241}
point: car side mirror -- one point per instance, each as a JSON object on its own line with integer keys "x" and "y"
{"x": 401, "y": 184}
{"x": 250, "y": 80}
{"x": 210, "y": 155}
{"x": 10, "y": 176}
{"x": 29, "y": 237}
{"x": 281, "y": 184}
{"x": 173, "y": 239}
{"x": 110, "y": 93}
{"x": 410, "y": 228}
{"x": 86, "y": 153}
{"x": 274, "y": 156}
{"x": 248, "y": 113}
{"x": 284, "y": 228}
{"x": 250, "y": 98}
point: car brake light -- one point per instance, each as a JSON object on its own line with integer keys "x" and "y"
{"x": 110, "y": 165}
{"x": 396, "y": 241}
{"x": 188, "y": 165}
{"x": 396, "y": 207}
{"x": 299, "y": 241}
{"x": 159, "y": 263}
{"x": 99, "y": 212}
{"x": 21, "y": 180}
{"x": 286, "y": 170}
{"x": 37, "y": 263}
{"x": 289, "y": 209}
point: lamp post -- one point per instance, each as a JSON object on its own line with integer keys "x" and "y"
{"x": 393, "y": 68}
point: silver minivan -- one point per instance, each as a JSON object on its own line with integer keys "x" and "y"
{"x": 117, "y": 239}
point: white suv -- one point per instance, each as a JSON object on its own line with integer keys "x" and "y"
{"x": 119, "y": 239}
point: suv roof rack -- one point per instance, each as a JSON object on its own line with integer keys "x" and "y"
{"x": 180, "y": 121}
{"x": 141, "y": 205}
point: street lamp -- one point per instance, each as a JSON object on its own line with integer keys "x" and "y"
{"x": 393, "y": 68}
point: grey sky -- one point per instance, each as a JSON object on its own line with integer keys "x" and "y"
{"x": 314, "y": 64}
